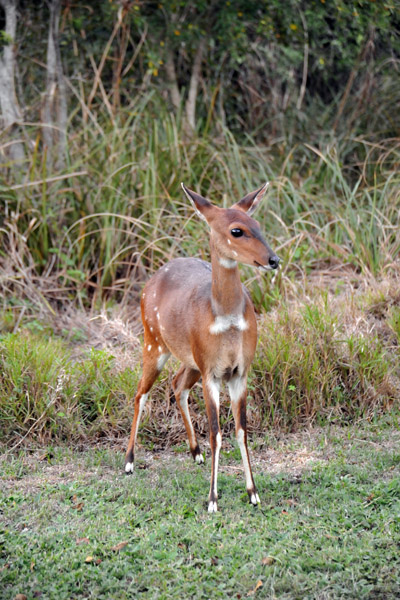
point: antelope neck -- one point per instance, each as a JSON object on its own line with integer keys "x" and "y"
{"x": 226, "y": 290}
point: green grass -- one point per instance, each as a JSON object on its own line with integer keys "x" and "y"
{"x": 47, "y": 394}
{"x": 314, "y": 364}
{"x": 88, "y": 242}
{"x": 330, "y": 531}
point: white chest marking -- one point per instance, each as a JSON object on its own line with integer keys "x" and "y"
{"x": 224, "y": 322}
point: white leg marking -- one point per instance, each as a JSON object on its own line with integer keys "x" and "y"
{"x": 183, "y": 400}
{"x": 218, "y": 440}
{"x": 236, "y": 388}
{"x": 245, "y": 459}
{"x": 214, "y": 385}
{"x": 162, "y": 359}
{"x": 142, "y": 402}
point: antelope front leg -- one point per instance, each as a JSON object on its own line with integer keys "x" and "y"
{"x": 211, "y": 389}
{"x": 238, "y": 394}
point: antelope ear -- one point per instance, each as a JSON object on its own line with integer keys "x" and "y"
{"x": 202, "y": 206}
{"x": 251, "y": 201}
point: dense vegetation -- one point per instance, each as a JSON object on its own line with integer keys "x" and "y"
{"x": 106, "y": 106}
{"x": 222, "y": 96}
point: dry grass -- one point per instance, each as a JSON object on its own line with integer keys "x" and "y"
{"x": 327, "y": 352}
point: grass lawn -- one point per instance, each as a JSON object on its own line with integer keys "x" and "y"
{"x": 73, "y": 526}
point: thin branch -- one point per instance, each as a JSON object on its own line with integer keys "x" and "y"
{"x": 21, "y": 186}
{"x": 305, "y": 64}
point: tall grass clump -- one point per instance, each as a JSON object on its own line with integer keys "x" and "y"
{"x": 310, "y": 368}
{"x": 100, "y": 228}
{"x": 46, "y": 395}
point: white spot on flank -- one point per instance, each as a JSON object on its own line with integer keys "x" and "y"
{"x": 159, "y": 348}
{"x": 155, "y": 308}
{"x": 227, "y": 263}
{"x": 162, "y": 359}
{"x": 158, "y": 316}
{"x": 151, "y": 329}
{"x": 154, "y": 295}
{"x": 224, "y": 322}
{"x": 166, "y": 268}
{"x": 129, "y": 467}
{"x": 234, "y": 252}
{"x": 149, "y": 347}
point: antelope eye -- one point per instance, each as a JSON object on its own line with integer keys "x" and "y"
{"x": 237, "y": 232}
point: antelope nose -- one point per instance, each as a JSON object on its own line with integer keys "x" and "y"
{"x": 274, "y": 262}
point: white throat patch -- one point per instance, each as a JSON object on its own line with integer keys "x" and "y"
{"x": 228, "y": 263}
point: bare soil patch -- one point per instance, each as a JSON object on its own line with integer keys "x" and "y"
{"x": 290, "y": 454}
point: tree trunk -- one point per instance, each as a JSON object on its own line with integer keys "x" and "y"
{"x": 172, "y": 80}
{"x": 190, "y": 107}
{"x": 55, "y": 115}
{"x": 10, "y": 111}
